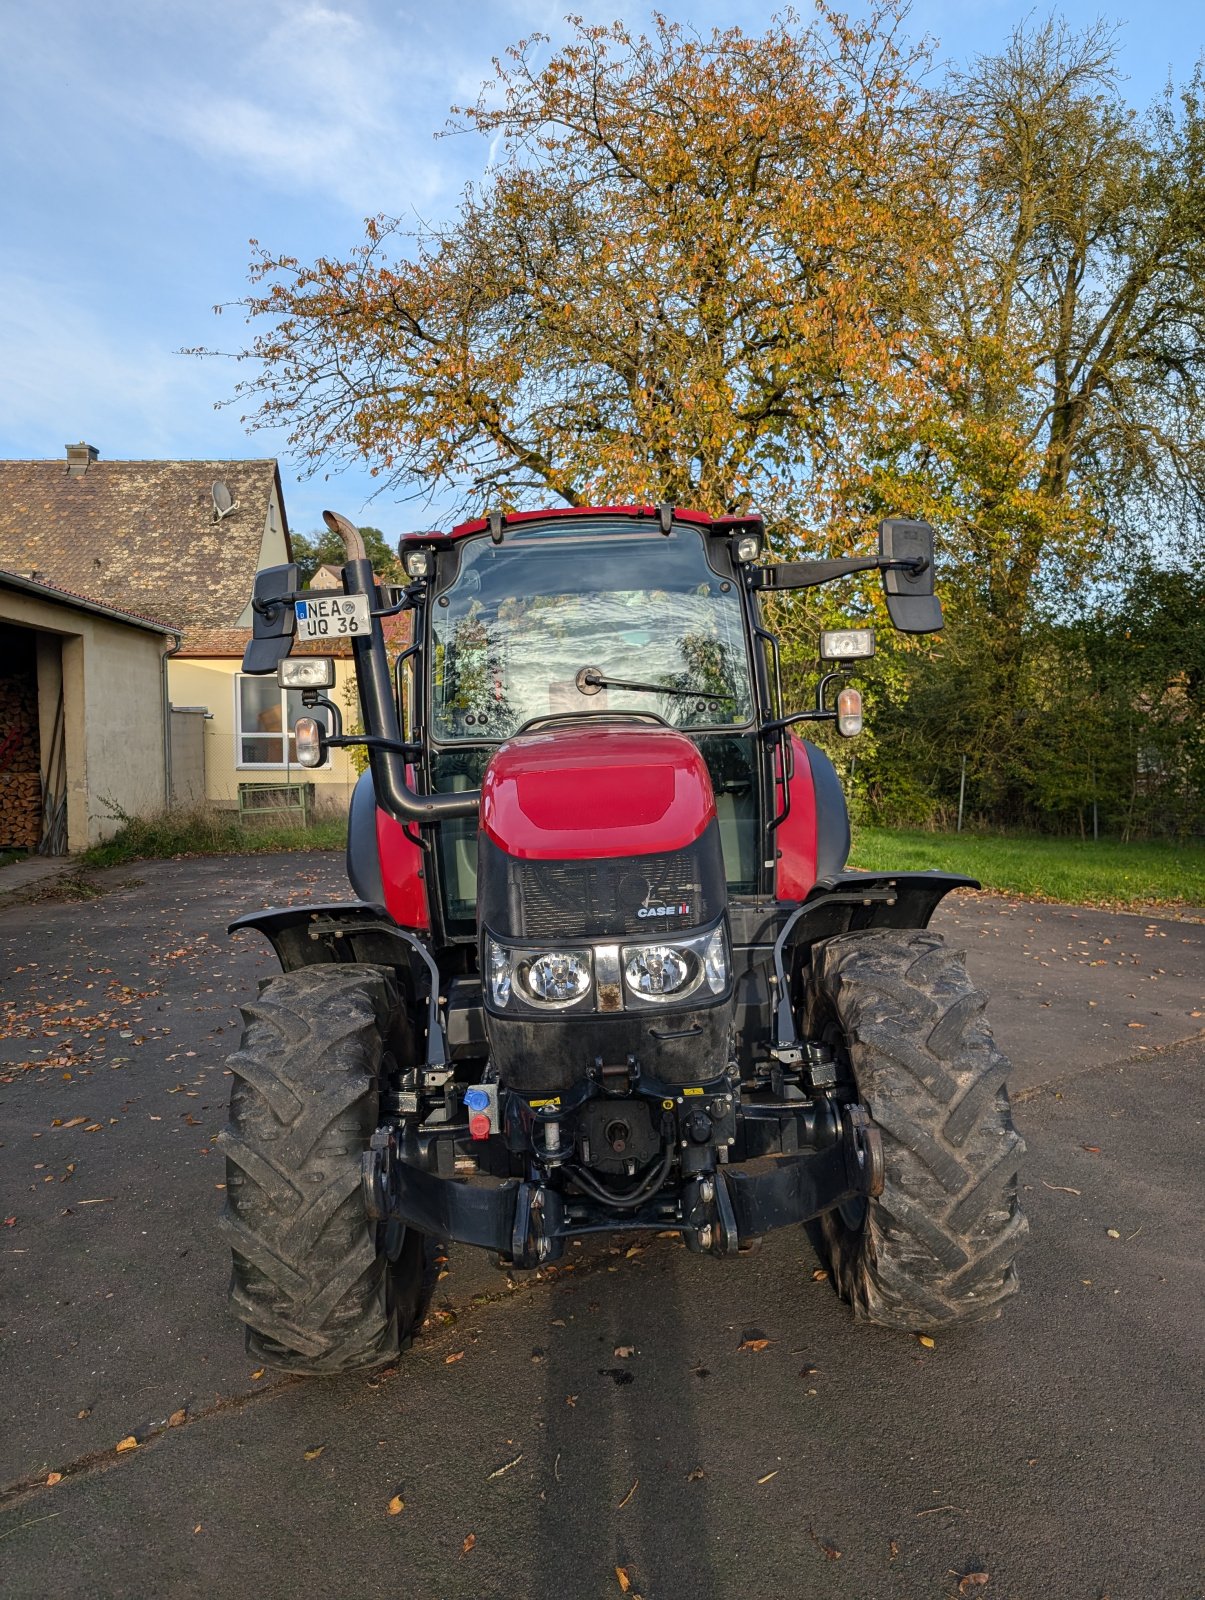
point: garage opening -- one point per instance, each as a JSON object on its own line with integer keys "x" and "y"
{"x": 33, "y": 749}
{"x": 20, "y": 742}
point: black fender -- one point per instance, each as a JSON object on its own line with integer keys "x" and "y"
{"x": 849, "y": 902}
{"x": 350, "y": 930}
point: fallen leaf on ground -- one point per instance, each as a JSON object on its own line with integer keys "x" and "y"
{"x": 929, "y": 1344}
{"x": 53, "y": 1477}
{"x": 86, "y": 1412}
{"x": 470, "y": 1539}
{"x": 819, "y": 1275}
{"x": 396, "y": 1504}
{"x": 973, "y": 1580}
{"x": 257, "y": 1374}
{"x": 457, "y": 1355}
{"x": 756, "y": 1344}
{"x": 570, "y": 1399}
{"x": 197, "y": 1529}
{"x": 177, "y": 1417}
{"x": 627, "y": 1497}
{"x": 695, "y": 1474}
{"x": 770, "y": 1475}
{"x": 74, "y": 1122}
{"x": 829, "y": 1551}
{"x": 1092, "y": 1149}
{"x": 498, "y": 1471}
{"x": 1060, "y": 1188}
{"x": 893, "y": 1550}
{"x": 1113, "y": 1233}
{"x": 128, "y": 1443}
{"x": 623, "y": 1351}
{"x": 625, "y": 1581}
{"x": 312, "y": 1455}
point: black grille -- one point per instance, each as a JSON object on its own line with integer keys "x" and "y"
{"x": 600, "y": 899}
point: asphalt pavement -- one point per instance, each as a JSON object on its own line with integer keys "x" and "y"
{"x": 642, "y": 1421}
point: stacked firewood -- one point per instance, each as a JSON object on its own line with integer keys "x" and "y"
{"x": 20, "y": 783}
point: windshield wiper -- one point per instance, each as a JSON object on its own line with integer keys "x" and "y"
{"x": 591, "y": 679}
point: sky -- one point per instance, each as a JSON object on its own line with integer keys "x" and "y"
{"x": 143, "y": 143}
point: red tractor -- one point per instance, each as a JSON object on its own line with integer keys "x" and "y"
{"x": 606, "y": 969}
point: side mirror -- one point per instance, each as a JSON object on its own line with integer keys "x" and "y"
{"x": 911, "y": 602}
{"x": 272, "y": 618}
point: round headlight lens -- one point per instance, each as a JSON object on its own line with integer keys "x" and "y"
{"x": 657, "y": 969}
{"x": 558, "y": 977}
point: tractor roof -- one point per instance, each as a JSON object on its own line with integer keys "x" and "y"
{"x": 699, "y": 519}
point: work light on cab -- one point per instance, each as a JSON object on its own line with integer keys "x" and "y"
{"x": 418, "y": 563}
{"x": 306, "y": 672}
{"x": 846, "y": 644}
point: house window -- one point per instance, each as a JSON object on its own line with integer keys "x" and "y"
{"x": 264, "y": 711}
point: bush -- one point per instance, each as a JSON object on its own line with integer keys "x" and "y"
{"x": 205, "y": 831}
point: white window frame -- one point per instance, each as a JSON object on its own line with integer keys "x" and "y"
{"x": 269, "y": 766}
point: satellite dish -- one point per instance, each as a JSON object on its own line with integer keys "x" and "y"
{"x": 223, "y": 502}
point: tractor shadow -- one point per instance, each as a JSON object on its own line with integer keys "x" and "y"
{"x": 621, "y": 1450}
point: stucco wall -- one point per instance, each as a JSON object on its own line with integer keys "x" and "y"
{"x": 113, "y": 712}
{"x": 214, "y": 685}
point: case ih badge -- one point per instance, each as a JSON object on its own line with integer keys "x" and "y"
{"x": 506, "y": 1039}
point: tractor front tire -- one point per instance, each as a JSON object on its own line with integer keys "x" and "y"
{"x": 937, "y": 1246}
{"x": 311, "y": 1278}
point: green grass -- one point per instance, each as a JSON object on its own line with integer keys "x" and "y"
{"x": 1071, "y": 870}
{"x": 202, "y": 832}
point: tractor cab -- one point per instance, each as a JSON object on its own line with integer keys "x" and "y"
{"x": 571, "y": 622}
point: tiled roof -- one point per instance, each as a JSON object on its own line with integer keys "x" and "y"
{"x": 139, "y": 535}
{"x": 218, "y": 643}
{"x": 52, "y": 591}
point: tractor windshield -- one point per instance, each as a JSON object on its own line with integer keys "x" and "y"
{"x": 552, "y": 621}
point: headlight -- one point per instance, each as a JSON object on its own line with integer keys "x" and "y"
{"x": 499, "y": 973}
{"x": 674, "y": 971}
{"x": 656, "y": 969}
{"x": 715, "y": 962}
{"x": 541, "y": 978}
{"x": 557, "y": 978}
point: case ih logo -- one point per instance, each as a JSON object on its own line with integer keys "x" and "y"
{"x": 648, "y": 910}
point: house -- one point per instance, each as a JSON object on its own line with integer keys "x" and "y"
{"x": 84, "y": 724}
{"x": 180, "y": 540}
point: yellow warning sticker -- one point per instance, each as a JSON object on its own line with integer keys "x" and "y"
{"x": 538, "y": 1105}
{"x": 692, "y": 1091}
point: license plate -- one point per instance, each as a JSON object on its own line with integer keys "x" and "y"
{"x": 335, "y": 616}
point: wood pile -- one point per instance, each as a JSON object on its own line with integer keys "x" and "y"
{"x": 20, "y": 781}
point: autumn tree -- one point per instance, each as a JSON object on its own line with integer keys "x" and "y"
{"x": 690, "y": 277}
{"x": 1070, "y": 325}
{"x": 322, "y": 547}
{"x": 1069, "y": 332}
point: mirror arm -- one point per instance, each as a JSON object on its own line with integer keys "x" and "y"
{"x": 811, "y": 574}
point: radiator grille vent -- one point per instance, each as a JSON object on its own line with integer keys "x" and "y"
{"x": 602, "y": 899}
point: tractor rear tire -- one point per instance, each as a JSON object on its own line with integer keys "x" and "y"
{"x": 937, "y": 1246}
{"x": 311, "y": 1278}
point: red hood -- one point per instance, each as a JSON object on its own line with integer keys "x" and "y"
{"x": 596, "y": 791}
